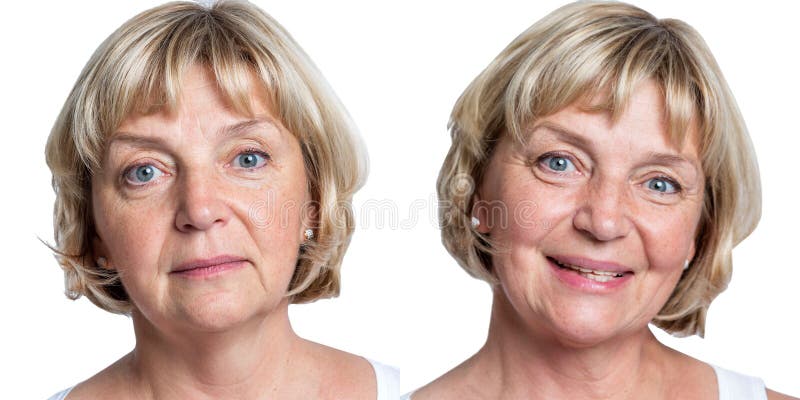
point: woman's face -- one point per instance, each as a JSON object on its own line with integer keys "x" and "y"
{"x": 202, "y": 210}
{"x": 614, "y": 199}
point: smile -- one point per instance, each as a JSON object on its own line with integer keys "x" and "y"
{"x": 599, "y": 276}
{"x": 590, "y": 275}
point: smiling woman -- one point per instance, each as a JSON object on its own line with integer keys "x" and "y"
{"x": 613, "y": 175}
{"x": 204, "y": 172}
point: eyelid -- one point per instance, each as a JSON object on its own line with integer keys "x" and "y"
{"x": 540, "y": 160}
{"x": 252, "y": 150}
{"x": 674, "y": 182}
{"x": 131, "y": 168}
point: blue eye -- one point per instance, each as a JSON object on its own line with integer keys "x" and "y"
{"x": 663, "y": 185}
{"x": 142, "y": 174}
{"x": 558, "y": 163}
{"x": 251, "y": 159}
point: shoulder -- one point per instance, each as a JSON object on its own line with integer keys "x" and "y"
{"x": 105, "y": 384}
{"x": 773, "y": 395}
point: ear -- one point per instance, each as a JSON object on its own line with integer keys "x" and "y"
{"x": 481, "y": 211}
{"x": 100, "y": 253}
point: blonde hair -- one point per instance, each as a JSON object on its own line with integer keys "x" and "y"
{"x": 605, "y": 49}
{"x": 139, "y": 68}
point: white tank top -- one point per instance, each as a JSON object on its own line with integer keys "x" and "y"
{"x": 388, "y": 379}
{"x": 735, "y": 386}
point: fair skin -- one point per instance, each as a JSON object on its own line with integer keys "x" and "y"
{"x": 195, "y": 183}
{"x": 620, "y": 201}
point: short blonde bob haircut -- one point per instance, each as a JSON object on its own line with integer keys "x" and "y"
{"x": 591, "y": 50}
{"x": 138, "y": 69}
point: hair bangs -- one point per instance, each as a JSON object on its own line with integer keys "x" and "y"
{"x": 143, "y": 74}
{"x": 600, "y": 70}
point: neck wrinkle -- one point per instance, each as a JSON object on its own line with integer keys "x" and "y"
{"x": 248, "y": 361}
{"x": 533, "y": 363}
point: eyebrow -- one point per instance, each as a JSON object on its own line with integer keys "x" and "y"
{"x": 561, "y": 133}
{"x": 667, "y": 159}
{"x": 234, "y": 130}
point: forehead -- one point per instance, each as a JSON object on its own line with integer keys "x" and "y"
{"x": 200, "y": 101}
{"x": 641, "y": 120}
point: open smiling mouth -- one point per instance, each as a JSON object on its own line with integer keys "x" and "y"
{"x": 595, "y": 275}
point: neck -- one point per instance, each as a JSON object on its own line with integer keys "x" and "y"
{"x": 247, "y": 361}
{"x": 534, "y": 363}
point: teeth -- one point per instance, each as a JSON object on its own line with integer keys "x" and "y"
{"x": 600, "y": 276}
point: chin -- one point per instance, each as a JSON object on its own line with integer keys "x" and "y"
{"x": 583, "y": 326}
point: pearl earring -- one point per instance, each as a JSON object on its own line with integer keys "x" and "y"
{"x": 686, "y": 265}
{"x": 475, "y": 222}
{"x": 309, "y": 234}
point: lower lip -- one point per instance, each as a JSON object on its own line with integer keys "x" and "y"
{"x": 575, "y": 280}
{"x": 211, "y": 271}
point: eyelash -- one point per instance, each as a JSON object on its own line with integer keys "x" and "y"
{"x": 541, "y": 161}
{"x": 129, "y": 170}
{"x": 673, "y": 182}
{"x": 544, "y": 157}
{"x": 253, "y": 150}
{"x": 249, "y": 150}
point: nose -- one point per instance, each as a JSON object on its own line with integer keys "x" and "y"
{"x": 603, "y": 212}
{"x": 201, "y": 203}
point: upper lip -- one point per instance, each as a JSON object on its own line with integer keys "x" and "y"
{"x": 207, "y": 262}
{"x": 594, "y": 265}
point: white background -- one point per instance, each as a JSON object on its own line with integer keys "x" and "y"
{"x": 399, "y": 67}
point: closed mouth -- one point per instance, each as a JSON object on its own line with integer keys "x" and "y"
{"x": 208, "y": 264}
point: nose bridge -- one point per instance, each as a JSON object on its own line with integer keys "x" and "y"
{"x": 200, "y": 199}
{"x": 604, "y": 213}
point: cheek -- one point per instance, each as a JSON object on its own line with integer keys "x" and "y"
{"x": 527, "y": 212}
{"x": 525, "y": 217}
{"x": 127, "y": 239}
{"x": 668, "y": 240}
{"x": 275, "y": 208}
{"x": 274, "y": 219}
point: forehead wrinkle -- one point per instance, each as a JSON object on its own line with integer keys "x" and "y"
{"x": 560, "y": 132}
{"x": 228, "y": 131}
{"x": 563, "y": 134}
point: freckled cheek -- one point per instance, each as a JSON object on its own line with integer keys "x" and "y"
{"x": 274, "y": 212}
{"x": 532, "y": 213}
{"x": 668, "y": 242}
{"x": 138, "y": 246}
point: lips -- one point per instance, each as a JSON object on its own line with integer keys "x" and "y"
{"x": 207, "y": 263}
{"x": 597, "y": 271}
